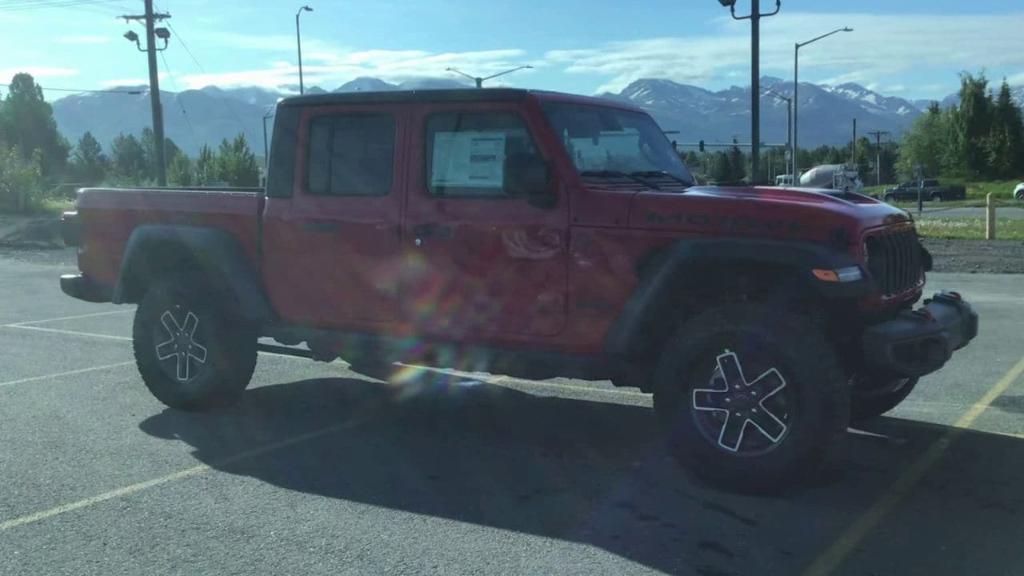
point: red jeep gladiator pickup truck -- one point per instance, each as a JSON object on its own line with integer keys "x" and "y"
{"x": 500, "y": 229}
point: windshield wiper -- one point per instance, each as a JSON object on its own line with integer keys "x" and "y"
{"x": 661, "y": 174}
{"x": 617, "y": 174}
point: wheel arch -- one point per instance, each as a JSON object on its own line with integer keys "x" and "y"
{"x": 695, "y": 270}
{"x": 153, "y": 251}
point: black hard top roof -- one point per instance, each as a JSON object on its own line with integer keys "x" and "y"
{"x": 455, "y": 95}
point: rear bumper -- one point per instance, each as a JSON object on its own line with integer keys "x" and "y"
{"x": 921, "y": 341}
{"x": 82, "y": 287}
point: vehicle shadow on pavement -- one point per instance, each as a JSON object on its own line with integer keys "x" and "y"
{"x": 596, "y": 473}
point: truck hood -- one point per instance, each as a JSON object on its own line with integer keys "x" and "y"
{"x": 783, "y": 213}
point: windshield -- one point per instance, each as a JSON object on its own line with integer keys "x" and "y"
{"x": 608, "y": 140}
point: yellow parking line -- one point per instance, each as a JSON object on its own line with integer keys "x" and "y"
{"x": 179, "y": 475}
{"x": 843, "y": 546}
{"x": 63, "y": 374}
{"x": 62, "y": 318}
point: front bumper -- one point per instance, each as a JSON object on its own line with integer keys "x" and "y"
{"x": 921, "y": 341}
{"x": 82, "y": 287}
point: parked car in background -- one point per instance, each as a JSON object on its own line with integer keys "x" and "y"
{"x": 931, "y": 190}
{"x": 1018, "y": 192}
{"x": 784, "y": 180}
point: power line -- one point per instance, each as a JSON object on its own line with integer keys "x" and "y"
{"x": 181, "y": 39}
{"x": 24, "y": 5}
{"x": 177, "y": 98}
{"x": 44, "y": 88}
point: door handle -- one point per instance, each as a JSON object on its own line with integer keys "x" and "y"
{"x": 321, "y": 226}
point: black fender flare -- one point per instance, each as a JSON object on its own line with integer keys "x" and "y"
{"x": 152, "y": 249}
{"x": 673, "y": 267}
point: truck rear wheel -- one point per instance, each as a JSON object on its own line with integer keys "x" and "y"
{"x": 870, "y": 398}
{"x": 751, "y": 399}
{"x": 192, "y": 355}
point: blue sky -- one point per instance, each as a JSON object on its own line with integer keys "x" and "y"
{"x": 907, "y": 48}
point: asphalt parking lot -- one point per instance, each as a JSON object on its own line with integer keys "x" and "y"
{"x": 322, "y": 470}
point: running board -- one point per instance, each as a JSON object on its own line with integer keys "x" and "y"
{"x": 284, "y": 350}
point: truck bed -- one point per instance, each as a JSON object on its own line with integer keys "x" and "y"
{"x": 109, "y": 215}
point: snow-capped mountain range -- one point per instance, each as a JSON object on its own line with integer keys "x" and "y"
{"x": 196, "y": 117}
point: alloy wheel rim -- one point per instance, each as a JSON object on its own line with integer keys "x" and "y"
{"x": 742, "y": 415}
{"x": 180, "y": 353}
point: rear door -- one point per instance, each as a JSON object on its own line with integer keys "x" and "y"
{"x": 331, "y": 250}
{"x": 483, "y": 263}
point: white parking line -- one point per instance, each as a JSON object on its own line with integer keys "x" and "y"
{"x": 67, "y": 332}
{"x": 179, "y": 475}
{"x": 503, "y": 381}
{"x": 79, "y": 316}
{"x": 63, "y": 374}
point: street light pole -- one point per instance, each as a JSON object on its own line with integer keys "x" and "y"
{"x": 789, "y": 120}
{"x": 480, "y": 81}
{"x": 755, "y": 77}
{"x": 796, "y": 90}
{"x": 298, "y": 42}
{"x": 878, "y": 154}
{"x": 152, "y": 33}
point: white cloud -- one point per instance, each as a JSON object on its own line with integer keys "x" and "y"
{"x": 329, "y": 68}
{"x": 38, "y": 72}
{"x": 133, "y": 81}
{"x": 881, "y": 48}
{"x": 84, "y": 39}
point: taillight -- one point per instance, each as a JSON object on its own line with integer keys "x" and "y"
{"x": 71, "y": 228}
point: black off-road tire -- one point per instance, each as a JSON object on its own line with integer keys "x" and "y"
{"x": 889, "y": 198}
{"x": 181, "y": 311}
{"x": 937, "y": 198}
{"x": 871, "y": 401}
{"x": 740, "y": 353}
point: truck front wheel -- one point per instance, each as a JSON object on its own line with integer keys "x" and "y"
{"x": 191, "y": 353}
{"x": 751, "y": 398}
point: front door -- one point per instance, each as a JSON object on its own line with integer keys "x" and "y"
{"x": 482, "y": 262}
{"x": 332, "y": 250}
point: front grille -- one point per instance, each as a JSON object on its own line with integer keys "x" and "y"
{"x": 895, "y": 261}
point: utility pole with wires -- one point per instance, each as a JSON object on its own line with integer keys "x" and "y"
{"x": 479, "y": 81}
{"x": 878, "y": 153}
{"x": 152, "y": 33}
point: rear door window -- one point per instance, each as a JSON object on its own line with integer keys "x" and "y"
{"x": 351, "y": 155}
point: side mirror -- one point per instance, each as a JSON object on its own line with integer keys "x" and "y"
{"x": 527, "y": 175}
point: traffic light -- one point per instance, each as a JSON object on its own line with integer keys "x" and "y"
{"x": 701, "y": 145}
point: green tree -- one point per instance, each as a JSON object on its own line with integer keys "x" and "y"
{"x": 88, "y": 162}
{"x": 925, "y": 144}
{"x": 129, "y": 159}
{"x": 148, "y": 141}
{"x": 971, "y": 128}
{"x": 179, "y": 172}
{"x": 721, "y": 170}
{"x": 26, "y": 122}
{"x": 206, "y": 167}
{"x": 21, "y": 180}
{"x": 236, "y": 163}
{"x": 1005, "y": 154}
{"x": 737, "y": 164}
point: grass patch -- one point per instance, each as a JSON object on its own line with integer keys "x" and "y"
{"x": 969, "y": 228}
{"x": 54, "y": 206}
{"x": 976, "y": 191}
